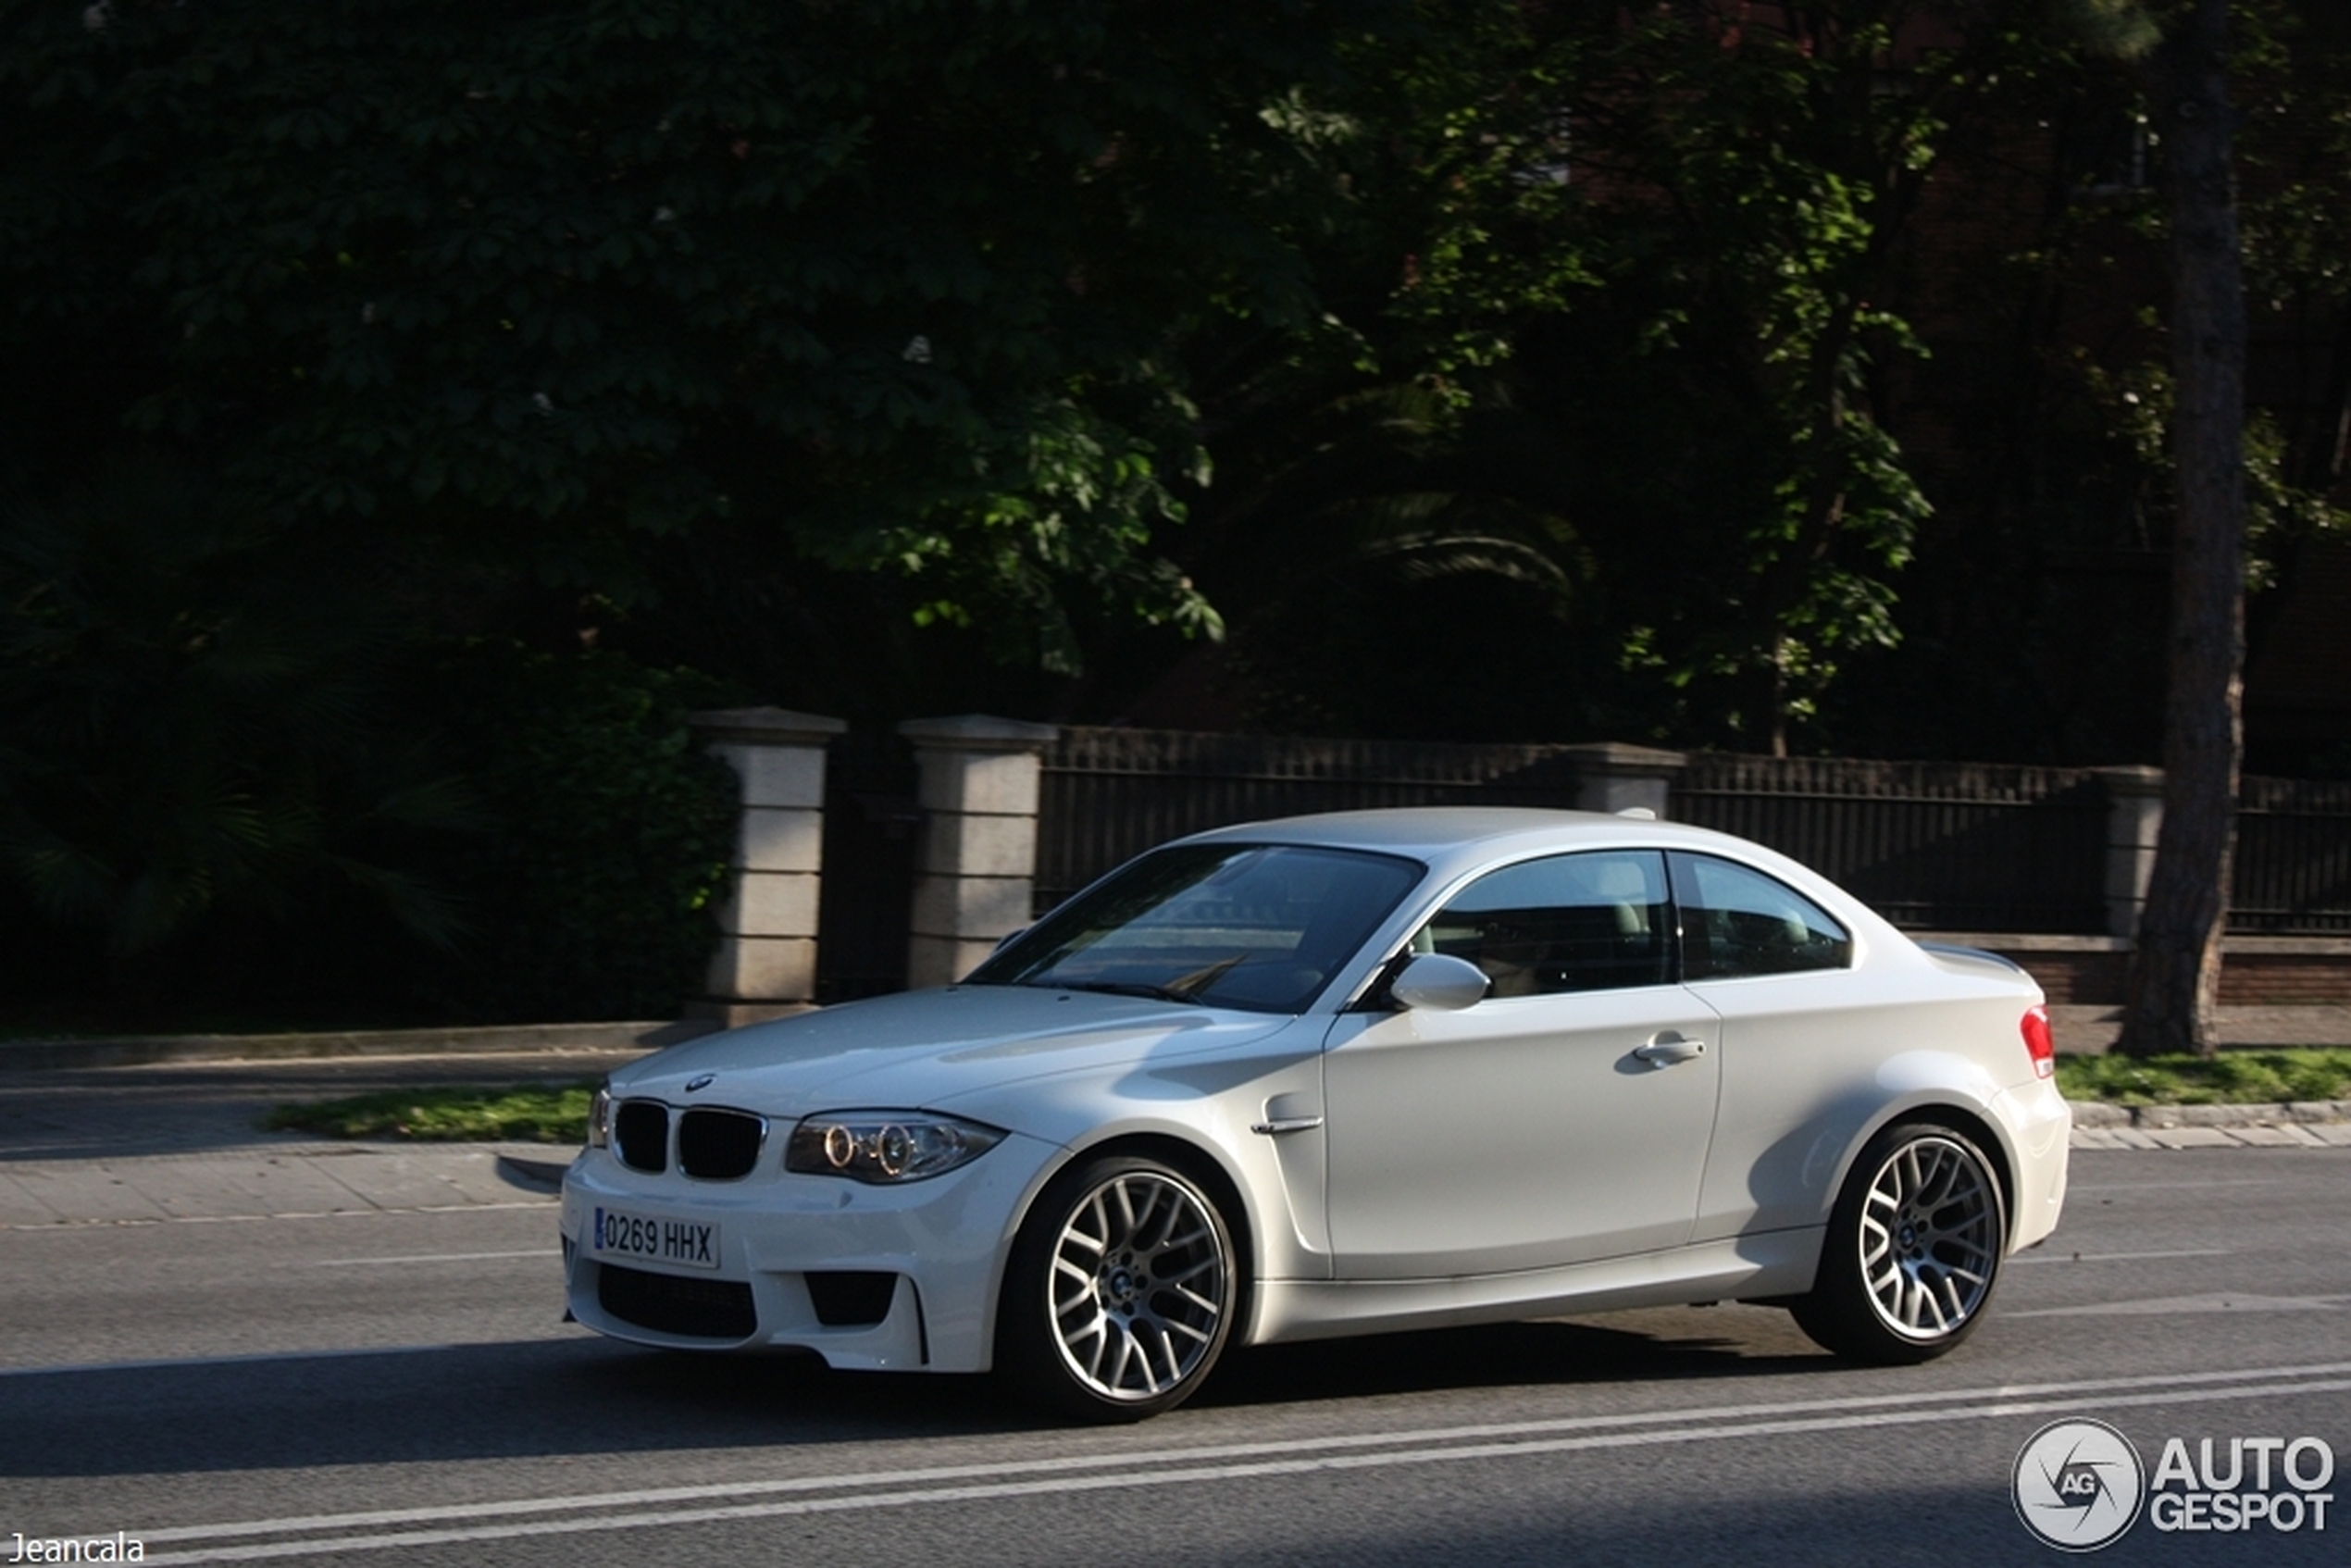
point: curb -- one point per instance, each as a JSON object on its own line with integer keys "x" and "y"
{"x": 540, "y": 1176}
{"x": 133, "y": 1051}
{"x": 2299, "y": 1113}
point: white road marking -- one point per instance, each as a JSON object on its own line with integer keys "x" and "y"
{"x": 2216, "y": 1302}
{"x": 83, "y": 1227}
{"x": 2116, "y": 1257}
{"x": 1225, "y": 1462}
{"x": 435, "y": 1258}
{"x": 2073, "y": 1191}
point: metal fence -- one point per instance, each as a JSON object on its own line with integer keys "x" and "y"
{"x": 1933, "y": 846}
{"x": 1930, "y": 846}
{"x": 1110, "y": 795}
{"x": 2293, "y": 858}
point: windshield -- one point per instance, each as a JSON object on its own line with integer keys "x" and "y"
{"x": 1259, "y": 927}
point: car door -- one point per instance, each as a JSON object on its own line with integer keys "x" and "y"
{"x": 1562, "y": 1118}
{"x": 1804, "y": 1040}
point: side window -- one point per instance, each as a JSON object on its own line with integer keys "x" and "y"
{"x": 1586, "y": 922}
{"x": 1738, "y": 922}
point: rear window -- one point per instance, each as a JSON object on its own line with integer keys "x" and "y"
{"x": 1737, "y": 921}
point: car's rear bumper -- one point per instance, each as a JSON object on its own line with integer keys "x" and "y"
{"x": 2040, "y": 1126}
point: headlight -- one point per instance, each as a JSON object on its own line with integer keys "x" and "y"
{"x": 882, "y": 1147}
{"x": 600, "y": 1118}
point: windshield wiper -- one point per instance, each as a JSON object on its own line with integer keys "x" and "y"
{"x": 1121, "y": 987}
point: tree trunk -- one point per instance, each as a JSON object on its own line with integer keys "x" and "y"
{"x": 2175, "y": 973}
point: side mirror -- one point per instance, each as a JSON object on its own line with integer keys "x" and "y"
{"x": 1441, "y": 982}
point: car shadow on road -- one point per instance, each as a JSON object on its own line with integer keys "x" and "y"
{"x": 566, "y": 1397}
{"x": 1626, "y": 1348}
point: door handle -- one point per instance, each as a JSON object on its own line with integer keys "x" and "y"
{"x": 1667, "y": 1049}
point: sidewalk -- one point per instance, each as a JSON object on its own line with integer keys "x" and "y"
{"x": 277, "y": 1182}
{"x": 181, "y": 1140}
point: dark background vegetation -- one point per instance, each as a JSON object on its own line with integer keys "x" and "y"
{"x": 413, "y": 409}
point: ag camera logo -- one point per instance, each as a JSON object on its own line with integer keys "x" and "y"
{"x": 2078, "y": 1485}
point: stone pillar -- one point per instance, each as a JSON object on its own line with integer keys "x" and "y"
{"x": 765, "y": 965}
{"x": 2133, "y": 819}
{"x": 975, "y": 865}
{"x": 1612, "y": 777}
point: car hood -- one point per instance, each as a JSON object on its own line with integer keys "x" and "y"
{"x": 924, "y": 1049}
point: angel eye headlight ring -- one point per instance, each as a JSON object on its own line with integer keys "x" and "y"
{"x": 882, "y": 1148}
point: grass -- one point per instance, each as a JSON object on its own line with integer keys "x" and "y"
{"x": 2234, "y": 1077}
{"x": 529, "y": 1114}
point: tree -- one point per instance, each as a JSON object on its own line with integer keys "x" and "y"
{"x": 2175, "y": 968}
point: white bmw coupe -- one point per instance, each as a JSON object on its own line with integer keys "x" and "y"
{"x": 1344, "y": 1075}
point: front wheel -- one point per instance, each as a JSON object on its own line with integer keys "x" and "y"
{"x": 1120, "y": 1292}
{"x": 1913, "y": 1251}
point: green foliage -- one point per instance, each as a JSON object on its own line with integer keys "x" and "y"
{"x": 2279, "y": 514}
{"x": 1638, "y": 264}
{"x": 893, "y": 279}
{"x": 2232, "y": 1078}
{"x": 1756, "y": 185}
{"x": 593, "y": 894}
{"x": 228, "y": 772}
{"x": 529, "y": 1114}
{"x": 2123, "y": 29}
{"x": 186, "y": 727}
{"x": 842, "y": 345}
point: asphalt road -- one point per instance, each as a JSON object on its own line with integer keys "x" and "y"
{"x": 354, "y": 1387}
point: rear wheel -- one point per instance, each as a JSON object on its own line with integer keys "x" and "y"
{"x": 1120, "y": 1292}
{"x": 1913, "y": 1249}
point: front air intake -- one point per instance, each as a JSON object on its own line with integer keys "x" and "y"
{"x": 851, "y": 1298}
{"x": 668, "y": 1303}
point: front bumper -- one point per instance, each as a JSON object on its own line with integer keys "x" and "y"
{"x": 898, "y": 1277}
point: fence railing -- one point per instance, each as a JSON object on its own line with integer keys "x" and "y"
{"x": 1930, "y": 846}
{"x": 2293, "y": 858}
{"x": 1109, "y": 795}
{"x": 1936, "y": 846}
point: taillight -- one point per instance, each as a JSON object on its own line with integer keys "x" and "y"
{"x": 2038, "y": 1042}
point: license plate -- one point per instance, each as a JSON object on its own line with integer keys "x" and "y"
{"x": 679, "y": 1243}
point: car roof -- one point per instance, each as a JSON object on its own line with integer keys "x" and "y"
{"x": 1440, "y": 834}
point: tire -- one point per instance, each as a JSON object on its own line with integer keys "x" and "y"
{"x": 1914, "y": 1250}
{"x": 1120, "y": 1293}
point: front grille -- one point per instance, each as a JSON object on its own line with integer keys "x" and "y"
{"x": 851, "y": 1298}
{"x": 699, "y": 1308}
{"x": 640, "y": 1134}
{"x": 719, "y": 1145}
